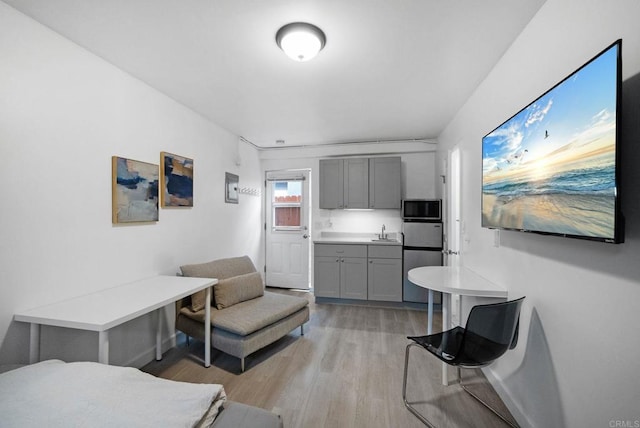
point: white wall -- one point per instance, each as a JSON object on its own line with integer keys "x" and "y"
{"x": 577, "y": 361}
{"x": 418, "y": 181}
{"x": 63, "y": 113}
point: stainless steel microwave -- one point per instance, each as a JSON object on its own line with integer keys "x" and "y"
{"x": 422, "y": 209}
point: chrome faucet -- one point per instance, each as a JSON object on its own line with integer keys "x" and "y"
{"x": 383, "y": 235}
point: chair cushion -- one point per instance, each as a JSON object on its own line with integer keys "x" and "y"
{"x": 238, "y": 289}
{"x": 252, "y": 315}
{"x": 220, "y": 269}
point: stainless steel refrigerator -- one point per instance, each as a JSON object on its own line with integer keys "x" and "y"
{"x": 422, "y": 246}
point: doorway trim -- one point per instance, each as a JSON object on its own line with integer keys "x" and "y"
{"x": 299, "y": 236}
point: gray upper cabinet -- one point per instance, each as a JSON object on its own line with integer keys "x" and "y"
{"x": 360, "y": 183}
{"x": 384, "y": 183}
{"x": 356, "y": 183}
{"x": 331, "y": 183}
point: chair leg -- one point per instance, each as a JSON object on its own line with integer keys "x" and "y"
{"x": 301, "y": 329}
{"x": 242, "y": 365}
{"x": 484, "y": 403}
{"x": 404, "y": 389}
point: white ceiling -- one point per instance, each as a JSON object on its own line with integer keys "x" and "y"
{"x": 391, "y": 69}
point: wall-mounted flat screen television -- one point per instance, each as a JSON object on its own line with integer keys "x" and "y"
{"x": 553, "y": 167}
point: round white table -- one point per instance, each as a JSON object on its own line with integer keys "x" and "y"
{"x": 451, "y": 280}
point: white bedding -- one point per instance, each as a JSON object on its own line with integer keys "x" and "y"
{"x": 57, "y": 394}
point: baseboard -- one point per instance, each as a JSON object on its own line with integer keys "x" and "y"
{"x": 149, "y": 355}
{"x": 507, "y": 398}
{"x": 377, "y": 303}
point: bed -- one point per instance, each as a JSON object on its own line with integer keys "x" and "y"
{"x": 85, "y": 394}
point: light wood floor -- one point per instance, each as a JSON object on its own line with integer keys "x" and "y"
{"x": 346, "y": 371}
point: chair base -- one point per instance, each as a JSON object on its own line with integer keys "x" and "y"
{"x": 420, "y": 416}
{"x": 484, "y": 403}
{"x": 404, "y": 389}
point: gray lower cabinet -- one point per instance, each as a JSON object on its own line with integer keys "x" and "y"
{"x": 326, "y": 276}
{"x": 340, "y": 271}
{"x": 353, "y": 278}
{"x": 359, "y": 272}
{"x": 385, "y": 273}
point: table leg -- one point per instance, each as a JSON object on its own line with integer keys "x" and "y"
{"x": 159, "y": 335}
{"x": 459, "y": 309}
{"x": 430, "y": 313}
{"x": 207, "y": 329}
{"x": 446, "y": 325}
{"x": 103, "y": 347}
{"x": 34, "y": 343}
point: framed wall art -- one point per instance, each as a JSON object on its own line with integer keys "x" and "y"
{"x": 176, "y": 179}
{"x": 134, "y": 191}
{"x": 231, "y": 188}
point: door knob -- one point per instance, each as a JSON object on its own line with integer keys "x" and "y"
{"x": 305, "y": 236}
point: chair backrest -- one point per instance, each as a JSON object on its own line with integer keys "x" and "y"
{"x": 220, "y": 269}
{"x": 491, "y": 330}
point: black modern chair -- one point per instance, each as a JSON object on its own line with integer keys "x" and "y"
{"x": 491, "y": 331}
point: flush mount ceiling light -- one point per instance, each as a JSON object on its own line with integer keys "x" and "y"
{"x": 301, "y": 41}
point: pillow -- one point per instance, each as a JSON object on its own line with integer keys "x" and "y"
{"x": 221, "y": 269}
{"x": 198, "y": 300}
{"x": 200, "y": 270}
{"x": 237, "y": 289}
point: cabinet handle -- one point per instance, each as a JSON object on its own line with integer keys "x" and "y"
{"x": 370, "y": 261}
{"x": 342, "y": 260}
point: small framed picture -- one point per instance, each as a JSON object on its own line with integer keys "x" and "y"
{"x": 231, "y": 188}
{"x": 176, "y": 181}
{"x": 134, "y": 191}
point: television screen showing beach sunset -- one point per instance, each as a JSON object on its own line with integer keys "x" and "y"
{"x": 551, "y": 168}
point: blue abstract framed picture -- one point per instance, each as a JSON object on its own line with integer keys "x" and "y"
{"x": 176, "y": 176}
{"x": 134, "y": 191}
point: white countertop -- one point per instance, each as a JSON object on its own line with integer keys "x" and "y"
{"x": 357, "y": 238}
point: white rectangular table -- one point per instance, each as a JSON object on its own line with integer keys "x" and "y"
{"x": 451, "y": 280}
{"x": 102, "y": 310}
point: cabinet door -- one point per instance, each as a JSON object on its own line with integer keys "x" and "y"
{"x": 385, "y": 280}
{"x": 353, "y": 278}
{"x": 384, "y": 182}
{"x": 326, "y": 276}
{"x": 331, "y": 183}
{"x": 356, "y": 183}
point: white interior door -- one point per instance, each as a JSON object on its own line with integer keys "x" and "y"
{"x": 452, "y": 190}
{"x": 287, "y": 229}
{"x": 452, "y": 216}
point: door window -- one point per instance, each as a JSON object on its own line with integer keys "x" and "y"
{"x": 286, "y": 205}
